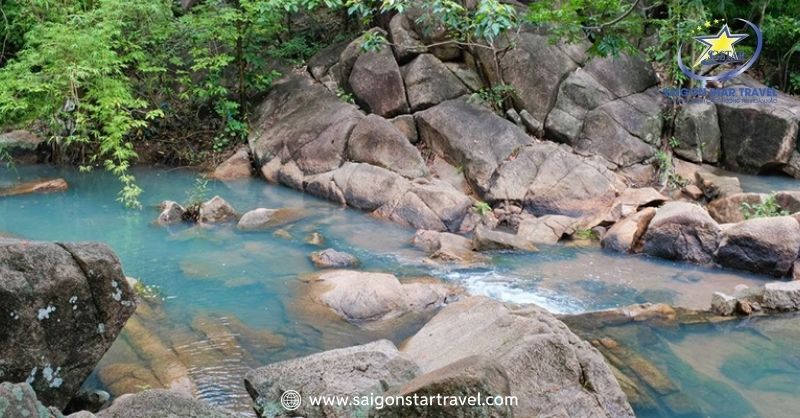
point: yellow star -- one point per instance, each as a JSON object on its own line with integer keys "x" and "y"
{"x": 721, "y": 43}
{"x": 716, "y": 21}
{"x": 699, "y": 28}
{"x": 708, "y": 24}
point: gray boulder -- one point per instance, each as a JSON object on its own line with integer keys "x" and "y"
{"x": 376, "y": 141}
{"x": 261, "y": 218}
{"x": 331, "y": 258}
{"x": 406, "y": 125}
{"x": 161, "y": 403}
{"x": 697, "y": 132}
{"x": 22, "y": 146}
{"x": 405, "y": 42}
{"x": 549, "y": 369}
{"x": 547, "y": 229}
{"x": 377, "y": 83}
{"x": 327, "y": 57}
{"x": 353, "y": 371}
{"x": 682, "y": 231}
{"x": 445, "y": 246}
{"x": 714, "y": 186}
{"x": 216, "y": 210}
{"x": 763, "y": 245}
{"x": 429, "y": 82}
{"x": 236, "y": 167}
{"x": 63, "y": 305}
{"x": 728, "y": 209}
{"x": 487, "y": 240}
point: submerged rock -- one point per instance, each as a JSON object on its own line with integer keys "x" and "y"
{"x": 35, "y": 186}
{"x": 550, "y": 370}
{"x": 361, "y": 370}
{"x": 331, "y": 258}
{"x": 216, "y": 210}
{"x": 62, "y": 306}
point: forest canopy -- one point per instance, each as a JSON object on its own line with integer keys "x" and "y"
{"x": 98, "y": 77}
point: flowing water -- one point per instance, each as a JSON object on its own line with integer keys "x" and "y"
{"x": 225, "y": 301}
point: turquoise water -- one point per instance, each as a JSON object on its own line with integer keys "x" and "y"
{"x": 230, "y": 300}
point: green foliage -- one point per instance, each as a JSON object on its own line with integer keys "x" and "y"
{"x": 768, "y": 208}
{"x": 482, "y": 208}
{"x": 585, "y": 234}
{"x": 666, "y": 170}
{"x": 674, "y": 143}
{"x": 494, "y": 96}
{"x": 373, "y": 41}
{"x": 345, "y": 96}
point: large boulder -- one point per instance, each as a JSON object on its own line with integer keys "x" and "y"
{"x": 365, "y": 297}
{"x": 171, "y": 212}
{"x": 236, "y": 167}
{"x": 682, "y": 231}
{"x": 445, "y": 246}
{"x": 714, "y": 186}
{"x": 729, "y": 209}
{"x": 697, "y": 133}
{"x": 377, "y": 83}
{"x": 488, "y": 240}
{"x": 376, "y": 141}
{"x": 763, "y": 245}
{"x": 782, "y": 296}
{"x": 475, "y": 376}
{"x": 22, "y": 146}
{"x": 19, "y": 401}
{"x": 61, "y": 307}
{"x": 550, "y": 179}
{"x": 354, "y": 371}
{"x": 405, "y": 42}
{"x": 302, "y": 122}
{"x": 331, "y": 258}
{"x": 547, "y": 229}
{"x": 470, "y": 136}
{"x": 758, "y": 136}
{"x": 216, "y": 210}
{"x": 550, "y": 370}
{"x": 429, "y": 82}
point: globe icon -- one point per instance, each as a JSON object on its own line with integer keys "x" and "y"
{"x": 291, "y": 400}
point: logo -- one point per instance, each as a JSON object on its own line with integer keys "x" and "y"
{"x": 720, "y": 49}
{"x": 291, "y": 400}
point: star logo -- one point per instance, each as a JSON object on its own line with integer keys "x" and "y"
{"x": 721, "y": 43}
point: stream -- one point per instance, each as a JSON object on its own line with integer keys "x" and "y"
{"x": 227, "y": 300}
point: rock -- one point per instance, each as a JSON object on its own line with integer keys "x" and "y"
{"x": 459, "y": 132}
{"x": 782, "y": 296}
{"x": 445, "y": 246}
{"x": 35, "y": 186}
{"x": 361, "y": 370}
{"x": 722, "y": 304}
{"x": 376, "y": 141}
{"x": 261, "y": 218}
{"x": 429, "y": 82}
{"x": 236, "y": 167}
{"x": 22, "y": 146}
{"x": 472, "y": 376}
{"x": 532, "y": 125}
{"x": 467, "y": 74}
{"x": 454, "y": 176}
{"x": 19, "y": 401}
{"x": 365, "y": 297}
{"x": 548, "y": 229}
{"x": 315, "y": 238}
{"x": 549, "y": 179}
{"x": 488, "y": 240}
{"x": 550, "y": 370}
{"x": 406, "y": 125}
{"x": 88, "y": 400}
{"x": 763, "y": 245}
{"x": 697, "y": 133}
{"x": 171, "y": 212}
{"x": 405, "y": 42}
{"x": 789, "y": 201}
{"x": 331, "y": 258}
{"x": 327, "y": 57}
{"x": 631, "y": 200}
{"x": 682, "y": 231}
{"x": 216, "y": 210}
{"x": 377, "y": 83}
{"x": 728, "y": 209}
{"x": 303, "y": 122}
{"x": 692, "y": 192}
{"x": 715, "y": 186}
{"x": 757, "y": 136}
{"x": 625, "y": 236}
{"x": 62, "y": 307}
{"x": 161, "y": 403}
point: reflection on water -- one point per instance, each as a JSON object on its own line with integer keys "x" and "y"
{"x": 743, "y": 368}
{"x": 230, "y": 299}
